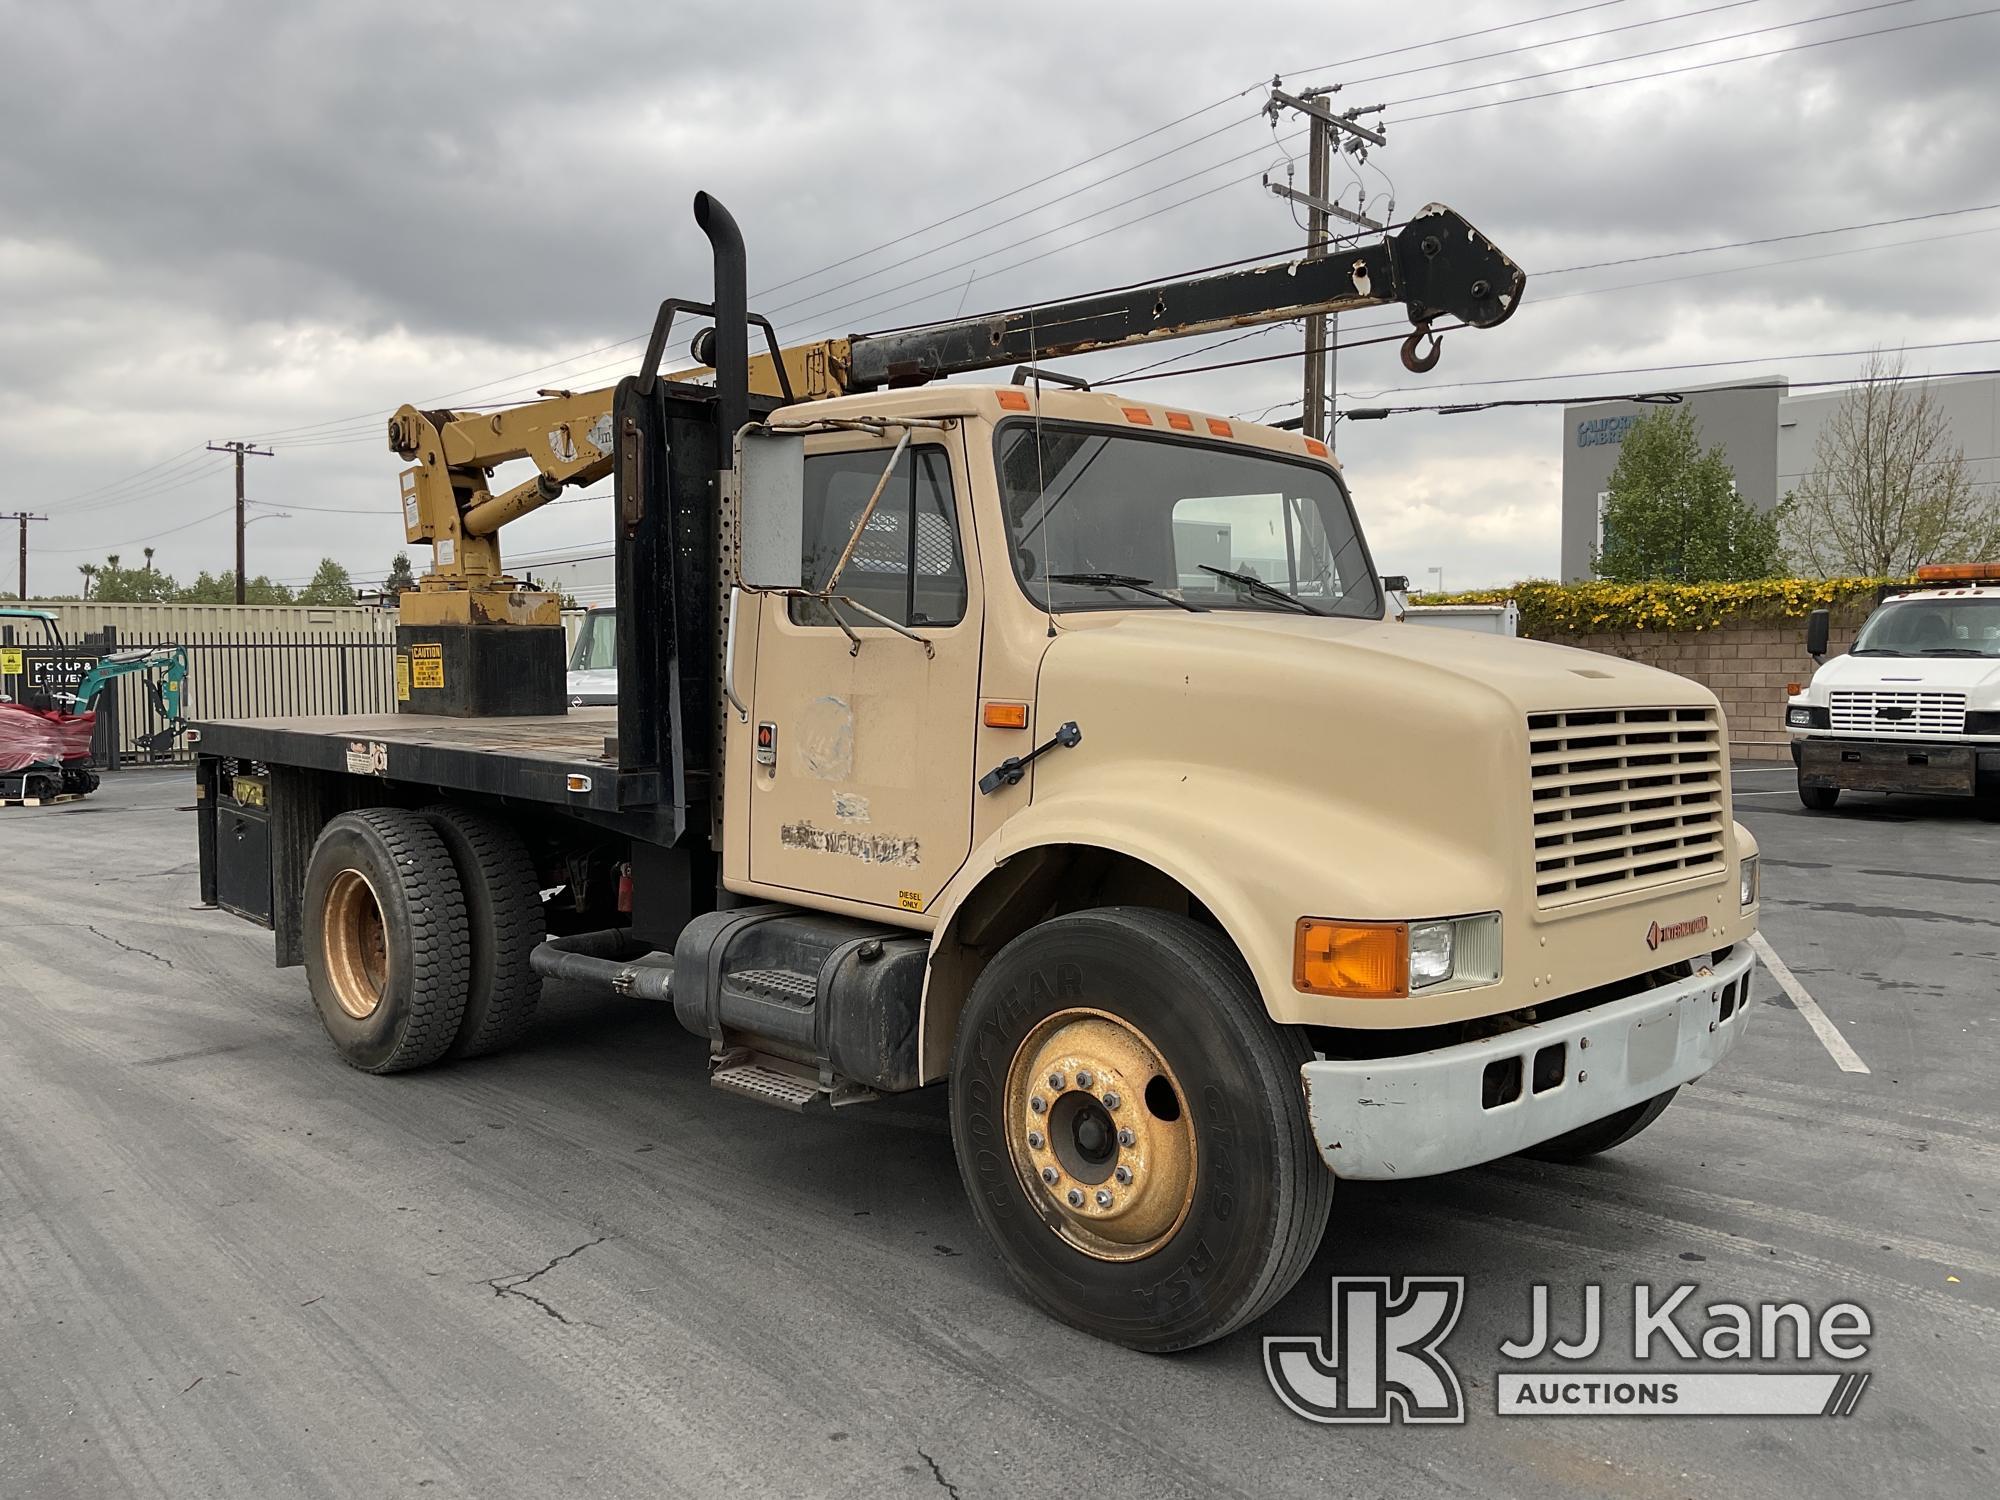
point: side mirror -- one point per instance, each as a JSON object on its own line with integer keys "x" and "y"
{"x": 1818, "y": 626}
{"x": 770, "y": 532}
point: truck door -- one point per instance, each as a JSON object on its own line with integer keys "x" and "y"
{"x": 863, "y": 778}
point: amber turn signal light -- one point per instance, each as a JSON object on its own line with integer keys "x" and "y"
{"x": 1006, "y": 716}
{"x": 1355, "y": 960}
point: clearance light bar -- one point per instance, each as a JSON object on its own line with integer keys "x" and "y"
{"x": 1983, "y": 572}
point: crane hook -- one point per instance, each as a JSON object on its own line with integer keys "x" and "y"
{"x": 1417, "y": 363}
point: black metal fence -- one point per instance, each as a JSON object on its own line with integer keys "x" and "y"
{"x": 239, "y": 676}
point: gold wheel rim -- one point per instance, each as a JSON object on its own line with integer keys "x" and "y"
{"x": 356, "y": 944}
{"x": 1100, "y": 1134}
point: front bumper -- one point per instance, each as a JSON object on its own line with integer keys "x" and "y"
{"x": 1937, "y": 768}
{"x": 1428, "y": 1113}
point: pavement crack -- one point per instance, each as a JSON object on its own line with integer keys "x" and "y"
{"x": 938, "y": 1474}
{"x": 511, "y": 1284}
{"x": 127, "y": 946}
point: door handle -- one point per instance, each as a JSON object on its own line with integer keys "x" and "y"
{"x": 729, "y": 658}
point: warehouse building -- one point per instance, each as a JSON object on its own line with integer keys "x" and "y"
{"x": 1768, "y": 434}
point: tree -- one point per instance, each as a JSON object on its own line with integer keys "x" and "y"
{"x": 119, "y": 584}
{"x": 220, "y": 588}
{"x": 1673, "y": 513}
{"x": 330, "y": 585}
{"x": 1888, "y": 489}
{"x": 89, "y": 572}
{"x": 402, "y": 578}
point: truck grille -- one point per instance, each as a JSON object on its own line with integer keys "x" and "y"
{"x": 1624, "y": 799}
{"x": 1915, "y": 712}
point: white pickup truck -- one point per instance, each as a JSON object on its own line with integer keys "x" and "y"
{"x": 1914, "y": 706}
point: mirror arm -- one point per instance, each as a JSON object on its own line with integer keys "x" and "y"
{"x": 883, "y": 620}
{"x": 867, "y": 513}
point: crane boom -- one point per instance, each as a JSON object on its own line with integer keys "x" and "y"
{"x": 1435, "y": 266}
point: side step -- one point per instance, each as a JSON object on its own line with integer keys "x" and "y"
{"x": 765, "y": 1085}
{"x": 742, "y": 1072}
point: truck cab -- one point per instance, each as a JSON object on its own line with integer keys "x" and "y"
{"x": 1914, "y": 705}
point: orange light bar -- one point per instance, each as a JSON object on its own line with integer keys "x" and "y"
{"x": 1355, "y": 960}
{"x": 1180, "y": 421}
{"x": 1006, "y": 716}
{"x": 1316, "y": 448}
{"x": 1138, "y": 414}
{"x": 1986, "y": 572}
{"x": 1014, "y": 400}
{"x": 1219, "y": 428}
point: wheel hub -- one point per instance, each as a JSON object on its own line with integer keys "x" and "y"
{"x": 1099, "y": 1134}
{"x": 356, "y": 944}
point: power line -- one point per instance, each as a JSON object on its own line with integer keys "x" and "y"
{"x": 1668, "y": 397}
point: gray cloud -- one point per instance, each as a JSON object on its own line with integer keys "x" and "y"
{"x": 219, "y": 219}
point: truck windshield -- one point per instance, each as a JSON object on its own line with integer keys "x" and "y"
{"x": 1932, "y": 627}
{"x": 596, "y": 647}
{"x": 1176, "y": 514}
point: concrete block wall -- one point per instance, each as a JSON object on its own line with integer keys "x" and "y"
{"x": 1746, "y": 664}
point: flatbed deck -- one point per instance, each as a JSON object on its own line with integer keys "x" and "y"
{"x": 530, "y": 758}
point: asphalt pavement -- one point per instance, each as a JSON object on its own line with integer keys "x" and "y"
{"x": 231, "y": 1266}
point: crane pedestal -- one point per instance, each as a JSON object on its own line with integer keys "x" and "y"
{"x": 480, "y": 652}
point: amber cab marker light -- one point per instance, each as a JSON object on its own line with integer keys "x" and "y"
{"x": 1138, "y": 414}
{"x": 1014, "y": 400}
{"x": 1792, "y": 689}
{"x": 1219, "y": 428}
{"x": 1316, "y": 448}
{"x": 1180, "y": 421}
{"x": 1006, "y": 716}
{"x": 1354, "y": 960}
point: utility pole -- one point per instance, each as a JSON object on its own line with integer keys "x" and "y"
{"x": 1327, "y": 129}
{"x": 242, "y": 451}
{"x": 24, "y": 518}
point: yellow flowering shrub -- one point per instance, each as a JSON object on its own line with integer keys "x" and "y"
{"x": 1558, "y": 609}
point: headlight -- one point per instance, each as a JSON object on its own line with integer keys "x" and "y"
{"x": 1390, "y": 960}
{"x": 1430, "y": 953}
{"x": 1803, "y": 716}
{"x": 1746, "y": 882}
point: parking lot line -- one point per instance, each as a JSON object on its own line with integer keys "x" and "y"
{"x": 1844, "y": 1056}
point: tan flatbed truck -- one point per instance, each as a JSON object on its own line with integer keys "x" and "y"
{"x": 1042, "y": 742}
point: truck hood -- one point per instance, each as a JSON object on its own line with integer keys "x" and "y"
{"x": 1407, "y": 668}
{"x": 1978, "y": 677}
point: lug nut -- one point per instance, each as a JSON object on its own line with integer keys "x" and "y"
{"x": 1056, "y": 1082}
{"x": 1038, "y": 1104}
{"x": 1112, "y": 1101}
{"x": 1034, "y": 1140}
{"x": 1049, "y": 1175}
{"x": 1076, "y": 1197}
{"x": 1124, "y": 1176}
{"x": 1083, "y": 1078}
{"x": 1127, "y": 1138}
{"x": 1104, "y": 1197}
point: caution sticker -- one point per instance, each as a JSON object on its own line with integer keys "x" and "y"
{"x": 427, "y": 666}
{"x": 10, "y": 661}
{"x": 402, "y": 677}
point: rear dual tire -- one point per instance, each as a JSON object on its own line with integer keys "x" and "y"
{"x": 418, "y": 931}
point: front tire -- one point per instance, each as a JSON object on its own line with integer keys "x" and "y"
{"x": 386, "y": 943}
{"x": 1166, "y": 1191}
{"x": 1819, "y": 798}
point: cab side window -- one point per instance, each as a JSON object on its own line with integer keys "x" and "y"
{"x": 907, "y": 564}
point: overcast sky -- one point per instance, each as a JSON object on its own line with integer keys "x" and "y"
{"x": 280, "y": 221}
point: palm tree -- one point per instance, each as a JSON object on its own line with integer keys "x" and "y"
{"x": 89, "y": 572}
{"x": 149, "y": 559}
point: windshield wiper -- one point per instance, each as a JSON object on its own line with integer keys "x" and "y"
{"x": 1257, "y": 585}
{"x": 1125, "y": 581}
{"x": 1953, "y": 651}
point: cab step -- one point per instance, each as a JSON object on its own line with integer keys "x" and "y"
{"x": 754, "y": 1081}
